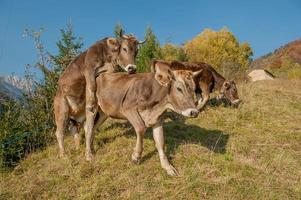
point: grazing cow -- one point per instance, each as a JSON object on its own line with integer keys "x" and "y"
{"x": 76, "y": 86}
{"x": 142, "y": 99}
{"x": 206, "y": 82}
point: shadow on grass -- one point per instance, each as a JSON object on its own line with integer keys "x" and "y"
{"x": 108, "y": 139}
{"x": 176, "y": 133}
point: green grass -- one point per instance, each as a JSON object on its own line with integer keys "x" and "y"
{"x": 249, "y": 152}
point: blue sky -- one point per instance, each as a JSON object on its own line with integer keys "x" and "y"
{"x": 265, "y": 24}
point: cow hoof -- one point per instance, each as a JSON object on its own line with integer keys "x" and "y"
{"x": 62, "y": 154}
{"x": 136, "y": 159}
{"x": 172, "y": 171}
{"x": 89, "y": 157}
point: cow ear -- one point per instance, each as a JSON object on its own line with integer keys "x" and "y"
{"x": 164, "y": 78}
{"x": 226, "y": 84}
{"x": 162, "y": 73}
{"x": 113, "y": 43}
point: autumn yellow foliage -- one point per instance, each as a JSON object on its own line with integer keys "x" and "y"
{"x": 173, "y": 52}
{"x": 218, "y": 48}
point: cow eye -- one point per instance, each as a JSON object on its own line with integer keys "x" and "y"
{"x": 124, "y": 49}
{"x": 179, "y": 89}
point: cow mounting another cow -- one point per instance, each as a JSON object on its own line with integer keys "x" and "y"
{"x": 77, "y": 85}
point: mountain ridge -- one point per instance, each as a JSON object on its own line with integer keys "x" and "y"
{"x": 290, "y": 52}
{"x": 13, "y": 87}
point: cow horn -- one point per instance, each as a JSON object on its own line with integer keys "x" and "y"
{"x": 124, "y": 36}
{"x": 194, "y": 74}
{"x": 142, "y": 41}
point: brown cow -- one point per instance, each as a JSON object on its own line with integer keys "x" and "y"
{"x": 142, "y": 99}
{"x": 206, "y": 82}
{"x": 76, "y": 86}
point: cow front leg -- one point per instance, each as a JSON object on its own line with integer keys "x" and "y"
{"x": 90, "y": 110}
{"x": 203, "y": 101}
{"x": 137, "y": 154}
{"x": 90, "y": 91}
{"x": 159, "y": 141}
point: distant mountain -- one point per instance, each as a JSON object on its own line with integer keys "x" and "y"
{"x": 13, "y": 87}
{"x": 291, "y": 51}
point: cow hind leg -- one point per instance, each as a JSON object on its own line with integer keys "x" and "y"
{"x": 75, "y": 131}
{"x": 99, "y": 120}
{"x": 61, "y": 119}
{"x": 140, "y": 129}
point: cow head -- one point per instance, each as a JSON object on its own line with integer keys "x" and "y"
{"x": 181, "y": 95}
{"x": 128, "y": 50}
{"x": 229, "y": 91}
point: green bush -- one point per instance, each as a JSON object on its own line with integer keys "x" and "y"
{"x": 22, "y": 131}
{"x": 148, "y": 51}
{"x": 28, "y": 124}
{"x": 12, "y": 146}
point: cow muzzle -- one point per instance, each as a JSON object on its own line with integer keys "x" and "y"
{"x": 130, "y": 68}
{"x": 190, "y": 112}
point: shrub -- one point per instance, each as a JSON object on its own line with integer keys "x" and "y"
{"x": 148, "y": 51}
{"x": 28, "y": 124}
{"x": 218, "y": 48}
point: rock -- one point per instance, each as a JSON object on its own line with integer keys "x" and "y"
{"x": 260, "y": 74}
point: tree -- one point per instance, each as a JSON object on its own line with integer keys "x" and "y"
{"x": 40, "y": 100}
{"x": 28, "y": 124}
{"x": 172, "y": 52}
{"x": 118, "y": 30}
{"x": 148, "y": 51}
{"x": 68, "y": 48}
{"x": 219, "y": 49}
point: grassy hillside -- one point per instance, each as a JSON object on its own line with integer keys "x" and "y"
{"x": 252, "y": 152}
{"x": 284, "y": 62}
{"x": 276, "y": 59}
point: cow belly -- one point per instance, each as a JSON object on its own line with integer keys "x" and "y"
{"x": 110, "y": 109}
{"x": 111, "y": 91}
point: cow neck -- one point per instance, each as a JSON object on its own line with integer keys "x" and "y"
{"x": 159, "y": 108}
{"x": 116, "y": 61}
{"x": 218, "y": 81}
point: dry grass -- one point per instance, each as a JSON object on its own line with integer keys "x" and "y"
{"x": 252, "y": 152}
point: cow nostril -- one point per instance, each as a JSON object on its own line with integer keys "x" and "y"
{"x": 131, "y": 69}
